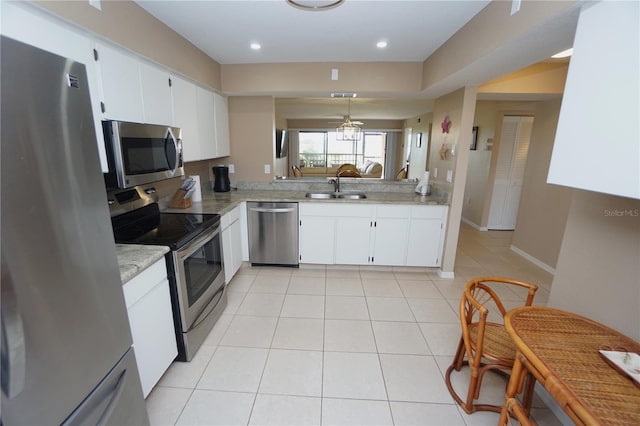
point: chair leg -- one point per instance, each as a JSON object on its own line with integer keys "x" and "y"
{"x": 456, "y": 364}
{"x": 527, "y": 397}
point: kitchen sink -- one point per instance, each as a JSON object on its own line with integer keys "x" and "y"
{"x": 351, "y": 195}
{"x": 321, "y": 195}
{"x": 329, "y": 195}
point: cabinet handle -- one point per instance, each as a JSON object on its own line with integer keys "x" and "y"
{"x": 102, "y": 107}
{"x": 169, "y": 82}
{"x": 95, "y": 54}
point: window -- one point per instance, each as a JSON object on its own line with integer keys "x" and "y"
{"x": 321, "y": 149}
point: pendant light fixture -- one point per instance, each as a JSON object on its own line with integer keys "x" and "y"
{"x": 315, "y": 5}
{"x": 349, "y": 130}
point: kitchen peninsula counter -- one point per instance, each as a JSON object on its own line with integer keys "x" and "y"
{"x": 223, "y": 202}
{"x": 135, "y": 258}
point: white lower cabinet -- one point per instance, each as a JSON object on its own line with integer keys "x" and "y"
{"x": 151, "y": 320}
{"x": 426, "y": 235}
{"x": 371, "y": 234}
{"x": 231, "y": 242}
{"x": 317, "y": 238}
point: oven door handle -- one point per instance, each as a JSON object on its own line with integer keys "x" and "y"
{"x": 197, "y": 242}
{"x": 205, "y": 312}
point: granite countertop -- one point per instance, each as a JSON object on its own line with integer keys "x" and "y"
{"x": 223, "y": 202}
{"x": 135, "y": 258}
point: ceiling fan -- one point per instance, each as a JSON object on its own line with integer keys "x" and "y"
{"x": 349, "y": 130}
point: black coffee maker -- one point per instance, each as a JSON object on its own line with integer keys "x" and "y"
{"x": 221, "y": 179}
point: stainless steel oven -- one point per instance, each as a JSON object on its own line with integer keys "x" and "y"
{"x": 199, "y": 276}
{"x": 194, "y": 263}
{"x": 138, "y": 154}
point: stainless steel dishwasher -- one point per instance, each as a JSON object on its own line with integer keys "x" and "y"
{"x": 273, "y": 233}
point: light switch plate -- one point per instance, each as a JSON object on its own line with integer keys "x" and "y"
{"x": 96, "y": 4}
{"x": 232, "y": 168}
{"x": 267, "y": 169}
{"x": 435, "y": 172}
{"x": 449, "y": 175}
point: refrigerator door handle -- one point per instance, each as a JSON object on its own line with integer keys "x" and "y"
{"x": 13, "y": 358}
{"x": 113, "y": 403}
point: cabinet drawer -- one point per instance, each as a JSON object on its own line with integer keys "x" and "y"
{"x": 141, "y": 284}
{"x": 427, "y": 212}
{"x": 352, "y": 210}
{"x": 392, "y": 211}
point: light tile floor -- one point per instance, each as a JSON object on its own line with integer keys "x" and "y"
{"x": 341, "y": 346}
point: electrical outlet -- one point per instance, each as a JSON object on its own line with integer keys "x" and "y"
{"x": 515, "y": 6}
{"x": 449, "y": 175}
{"x": 267, "y": 169}
{"x": 232, "y": 168}
{"x": 96, "y": 4}
{"x": 435, "y": 172}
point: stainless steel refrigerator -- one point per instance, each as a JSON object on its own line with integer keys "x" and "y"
{"x": 66, "y": 345}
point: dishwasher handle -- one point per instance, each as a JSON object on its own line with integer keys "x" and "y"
{"x": 272, "y": 210}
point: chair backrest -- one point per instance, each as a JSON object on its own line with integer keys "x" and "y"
{"x": 347, "y": 170}
{"x": 296, "y": 171}
{"x": 475, "y": 304}
{"x": 402, "y": 174}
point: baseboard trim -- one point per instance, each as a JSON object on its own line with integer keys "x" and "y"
{"x": 445, "y": 275}
{"x": 534, "y": 260}
{"x": 474, "y": 225}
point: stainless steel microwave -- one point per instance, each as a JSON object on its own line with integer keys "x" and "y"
{"x": 138, "y": 154}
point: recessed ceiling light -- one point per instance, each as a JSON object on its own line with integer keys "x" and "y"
{"x": 381, "y": 44}
{"x": 563, "y": 54}
{"x": 256, "y": 46}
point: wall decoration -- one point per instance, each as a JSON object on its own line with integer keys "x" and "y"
{"x": 418, "y": 140}
{"x": 446, "y": 124}
{"x": 474, "y": 138}
{"x": 444, "y": 152}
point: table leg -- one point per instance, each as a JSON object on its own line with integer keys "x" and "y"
{"x": 517, "y": 373}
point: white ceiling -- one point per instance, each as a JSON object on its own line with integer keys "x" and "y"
{"x": 414, "y": 29}
{"x": 348, "y": 33}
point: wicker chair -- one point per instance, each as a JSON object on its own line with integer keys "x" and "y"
{"x": 348, "y": 170}
{"x": 296, "y": 171}
{"x": 486, "y": 345}
{"x": 402, "y": 174}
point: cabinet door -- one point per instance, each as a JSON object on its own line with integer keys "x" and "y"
{"x": 29, "y": 25}
{"x": 206, "y": 123}
{"x": 151, "y": 321}
{"x": 317, "y": 239}
{"x": 353, "y": 240}
{"x": 156, "y": 94}
{"x": 390, "y": 245}
{"x": 236, "y": 245}
{"x": 221, "y": 108}
{"x": 424, "y": 247}
{"x": 185, "y": 116}
{"x": 121, "y": 90}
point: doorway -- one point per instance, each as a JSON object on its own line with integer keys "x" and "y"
{"x": 512, "y": 158}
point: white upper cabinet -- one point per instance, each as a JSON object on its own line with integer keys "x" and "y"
{"x": 597, "y": 140}
{"x": 29, "y": 25}
{"x": 156, "y": 94}
{"x": 183, "y": 94}
{"x": 121, "y": 88}
{"x": 206, "y": 123}
{"x": 221, "y": 108}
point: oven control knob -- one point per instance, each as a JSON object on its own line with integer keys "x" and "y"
{"x": 150, "y": 190}
{"x": 111, "y": 201}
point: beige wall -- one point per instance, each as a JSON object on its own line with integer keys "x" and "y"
{"x": 252, "y": 130}
{"x": 543, "y": 209}
{"x": 543, "y": 77}
{"x": 490, "y": 32}
{"x": 366, "y": 78}
{"x": 598, "y": 272}
{"x": 127, "y": 24}
{"x": 460, "y": 107}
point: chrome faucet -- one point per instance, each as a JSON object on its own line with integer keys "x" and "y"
{"x": 336, "y": 184}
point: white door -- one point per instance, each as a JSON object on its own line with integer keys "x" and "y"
{"x": 156, "y": 95}
{"x": 206, "y": 123}
{"x": 512, "y": 158}
{"x": 185, "y": 116}
{"x": 352, "y": 240}
{"x": 317, "y": 239}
